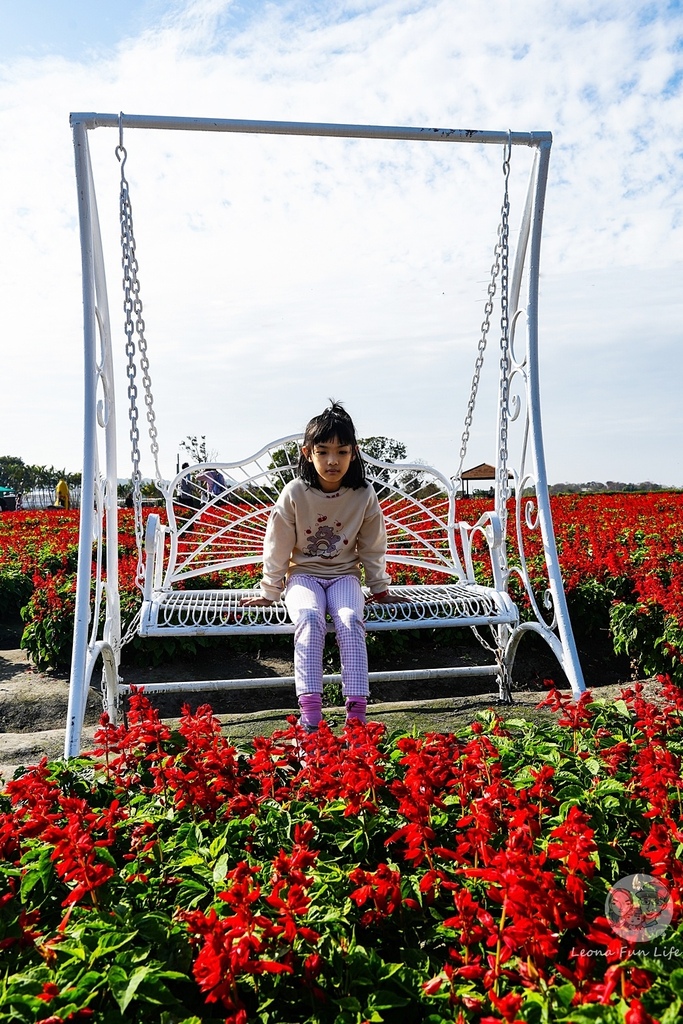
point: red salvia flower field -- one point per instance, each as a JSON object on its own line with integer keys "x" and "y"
{"x": 621, "y": 557}
{"x": 347, "y": 878}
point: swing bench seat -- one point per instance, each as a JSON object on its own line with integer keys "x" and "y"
{"x": 222, "y": 612}
{"x": 217, "y": 515}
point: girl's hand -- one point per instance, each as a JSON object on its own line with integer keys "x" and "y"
{"x": 257, "y": 602}
{"x": 383, "y": 598}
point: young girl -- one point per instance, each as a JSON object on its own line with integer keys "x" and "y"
{"x": 326, "y": 524}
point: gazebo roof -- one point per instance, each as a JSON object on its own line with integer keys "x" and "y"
{"x": 481, "y": 472}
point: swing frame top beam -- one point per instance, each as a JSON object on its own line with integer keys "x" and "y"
{"x": 342, "y": 131}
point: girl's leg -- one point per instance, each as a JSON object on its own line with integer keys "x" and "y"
{"x": 346, "y": 605}
{"x": 306, "y": 604}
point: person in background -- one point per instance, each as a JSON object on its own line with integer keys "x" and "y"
{"x": 214, "y": 481}
{"x": 62, "y": 498}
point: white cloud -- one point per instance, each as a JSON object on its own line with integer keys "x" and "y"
{"x": 277, "y": 272}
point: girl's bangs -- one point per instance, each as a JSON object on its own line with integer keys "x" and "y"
{"x": 339, "y": 432}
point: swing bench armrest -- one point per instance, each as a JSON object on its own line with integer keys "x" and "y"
{"x": 155, "y": 534}
{"x": 490, "y": 527}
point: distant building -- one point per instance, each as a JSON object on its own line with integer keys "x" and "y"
{"x": 484, "y": 471}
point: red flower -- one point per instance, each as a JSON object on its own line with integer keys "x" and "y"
{"x": 381, "y": 888}
{"x": 637, "y": 1014}
{"x": 508, "y": 1005}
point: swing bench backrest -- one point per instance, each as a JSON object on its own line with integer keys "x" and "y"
{"x": 217, "y": 516}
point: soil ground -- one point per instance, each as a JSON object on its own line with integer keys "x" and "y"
{"x": 33, "y": 705}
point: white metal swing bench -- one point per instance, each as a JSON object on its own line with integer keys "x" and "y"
{"x": 216, "y": 513}
{"x": 223, "y": 528}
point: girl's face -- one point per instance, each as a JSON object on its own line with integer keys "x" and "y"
{"x": 331, "y": 462}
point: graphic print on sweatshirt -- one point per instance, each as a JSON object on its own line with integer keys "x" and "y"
{"x": 327, "y": 541}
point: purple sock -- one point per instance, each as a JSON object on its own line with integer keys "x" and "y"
{"x": 311, "y": 705}
{"x": 356, "y": 707}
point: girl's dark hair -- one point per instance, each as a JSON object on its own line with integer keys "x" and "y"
{"x": 332, "y": 424}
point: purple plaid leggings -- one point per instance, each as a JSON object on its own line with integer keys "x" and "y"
{"x": 308, "y": 599}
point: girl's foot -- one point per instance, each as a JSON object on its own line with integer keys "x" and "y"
{"x": 311, "y": 705}
{"x": 308, "y": 728}
{"x": 356, "y": 707}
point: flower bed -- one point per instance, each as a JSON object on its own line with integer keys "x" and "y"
{"x": 349, "y": 879}
{"x": 621, "y": 558}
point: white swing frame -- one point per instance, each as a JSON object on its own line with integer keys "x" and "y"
{"x": 99, "y": 507}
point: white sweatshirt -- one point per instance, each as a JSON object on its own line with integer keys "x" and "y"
{"x": 326, "y": 535}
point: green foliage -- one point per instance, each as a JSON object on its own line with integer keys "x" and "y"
{"x": 333, "y": 696}
{"x": 651, "y": 639}
{"x": 49, "y": 619}
{"x": 15, "y": 589}
{"x": 591, "y": 600}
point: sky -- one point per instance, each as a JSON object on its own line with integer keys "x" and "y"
{"x": 279, "y": 272}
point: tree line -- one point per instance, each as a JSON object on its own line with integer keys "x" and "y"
{"x": 22, "y": 478}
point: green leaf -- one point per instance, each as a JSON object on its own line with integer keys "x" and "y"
{"x": 389, "y": 970}
{"x": 221, "y": 867}
{"x": 565, "y": 993}
{"x": 360, "y": 844}
{"x": 676, "y": 981}
{"x": 343, "y": 842}
{"x": 189, "y": 859}
{"x": 672, "y": 1014}
{"x": 29, "y": 881}
{"x": 349, "y": 1003}
{"x": 534, "y": 1011}
{"x": 40, "y": 871}
{"x": 592, "y": 1013}
{"x": 621, "y": 708}
{"x": 383, "y": 999}
{"x": 111, "y": 941}
{"x": 190, "y": 892}
{"x": 153, "y": 989}
{"x": 216, "y": 846}
{"x": 124, "y": 987}
{"x": 605, "y": 786}
{"x": 75, "y": 948}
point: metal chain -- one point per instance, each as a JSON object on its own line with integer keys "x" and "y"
{"x": 503, "y": 482}
{"x": 131, "y": 371}
{"x": 135, "y": 327}
{"x": 500, "y": 259}
{"x": 484, "y": 642}
{"x": 499, "y": 654}
{"x": 131, "y": 632}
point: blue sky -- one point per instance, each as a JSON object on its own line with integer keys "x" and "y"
{"x": 69, "y": 28}
{"x": 277, "y": 272}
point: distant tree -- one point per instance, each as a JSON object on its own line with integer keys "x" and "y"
{"x": 386, "y": 449}
{"x": 16, "y": 474}
{"x": 613, "y": 486}
{"x": 41, "y": 480}
{"x": 148, "y": 489}
{"x": 286, "y": 456}
{"x": 195, "y": 446}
